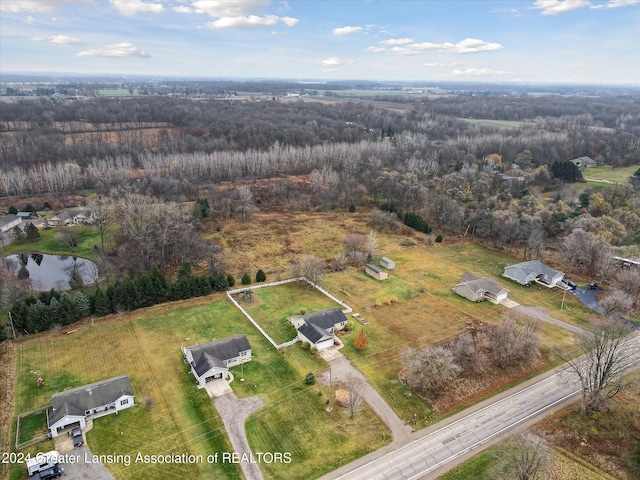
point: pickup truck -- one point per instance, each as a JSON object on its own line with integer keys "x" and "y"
{"x": 78, "y": 439}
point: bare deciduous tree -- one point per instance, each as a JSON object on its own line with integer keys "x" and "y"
{"x": 587, "y": 252}
{"x": 430, "y": 369}
{"x": 515, "y": 342}
{"x": 244, "y": 202}
{"x": 628, "y": 280}
{"x": 355, "y": 247}
{"x": 616, "y": 301}
{"x": 310, "y": 267}
{"x": 524, "y": 456}
{"x": 606, "y": 350}
{"x": 355, "y": 388}
{"x": 372, "y": 243}
{"x": 103, "y": 213}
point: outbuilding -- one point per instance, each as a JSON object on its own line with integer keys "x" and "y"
{"x": 387, "y": 263}
{"x": 375, "y": 272}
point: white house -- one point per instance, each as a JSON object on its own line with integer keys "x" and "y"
{"x": 7, "y": 222}
{"x": 533, "y": 271}
{"x": 212, "y": 360}
{"x": 478, "y": 289}
{"x": 72, "y": 217}
{"x": 318, "y": 329}
{"x": 74, "y": 406}
{"x": 387, "y": 263}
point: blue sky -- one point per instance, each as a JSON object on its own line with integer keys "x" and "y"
{"x": 568, "y": 41}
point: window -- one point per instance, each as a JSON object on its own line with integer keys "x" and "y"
{"x": 124, "y": 402}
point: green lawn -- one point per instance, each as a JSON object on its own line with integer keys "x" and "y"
{"x": 606, "y": 172}
{"x": 173, "y": 416}
{"x": 32, "y": 426}
{"x": 272, "y": 306}
{"x": 55, "y": 241}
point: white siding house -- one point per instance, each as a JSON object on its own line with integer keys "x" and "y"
{"x": 318, "y": 328}
{"x": 212, "y": 360}
{"x": 75, "y": 406}
{"x": 7, "y": 222}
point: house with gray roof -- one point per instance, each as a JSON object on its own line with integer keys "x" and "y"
{"x": 7, "y": 222}
{"x": 533, "y": 271}
{"x": 72, "y": 217}
{"x": 212, "y": 360}
{"x": 584, "y": 162}
{"x": 73, "y": 407}
{"x": 479, "y": 289}
{"x": 318, "y": 328}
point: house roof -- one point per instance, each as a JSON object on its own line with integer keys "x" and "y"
{"x": 324, "y": 319}
{"x": 7, "y": 219}
{"x": 481, "y": 285}
{"x": 585, "y": 161}
{"x": 532, "y": 267}
{"x": 386, "y": 259}
{"x": 78, "y": 400}
{"x": 373, "y": 268}
{"x": 213, "y": 354}
{"x": 314, "y": 333}
{"x": 69, "y": 214}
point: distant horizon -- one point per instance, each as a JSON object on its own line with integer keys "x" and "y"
{"x": 301, "y": 81}
{"x": 569, "y": 42}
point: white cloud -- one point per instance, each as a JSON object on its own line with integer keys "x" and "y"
{"x": 619, "y": 3}
{"x": 404, "y": 51}
{"x": 130, "y": 8}
{"x": 554, "y": 7}
{"x": 226, "y": 8}
{"x": 250, "y": 21}
{"x": 118, "y": 50}
{"x": 60, "y": 40}
{"x": 376, "y": 49}
{"x": 514, "y": 12}
{"x": 478, "y": 72}
{"x": 346, "y": 30}
{"x": 183, "y": 9}
{"x": 397, "y": 41}
{"x": 15, "y": 6}
{"x": 468, "y": 45}
{"x": 331, "y": 61}
{"x": 450, "y": 64}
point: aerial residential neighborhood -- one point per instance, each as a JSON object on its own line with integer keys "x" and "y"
{"x": 319, "y": 240}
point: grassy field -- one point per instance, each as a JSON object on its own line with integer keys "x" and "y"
{"x": 272, "y": 306}
{"x": 501, "y": 124}
{"x": 607, "y": 173}
{"x": 172, "y": 415}
{"x": 32, "y": 427}
{"x": 55, "y": 241}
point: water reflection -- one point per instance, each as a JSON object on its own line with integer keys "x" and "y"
{"x": 52, "y": 271}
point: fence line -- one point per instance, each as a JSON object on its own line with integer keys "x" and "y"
{"x": 32, "y": 441}
{"x": 346, "y": 308}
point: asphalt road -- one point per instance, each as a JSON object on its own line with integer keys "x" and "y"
{"x": 429, "y": 453}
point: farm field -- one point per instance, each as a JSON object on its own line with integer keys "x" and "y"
{"x": 609, "y": 174}
{"x": 501, "y": 124}
{"x": 172, "y": 415}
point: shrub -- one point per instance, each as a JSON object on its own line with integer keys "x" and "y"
{"x": 352, "y": 208}
{"x": 439, "y": 239}
{"x": 305, "y": 346}
{"x": 310, "y": 379}
{"x": 246, "y": 279}
{"x": 260, "y": 276}
{"x": 361, "y": 341}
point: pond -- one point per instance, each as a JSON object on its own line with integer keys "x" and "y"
{"x": 51, "y": 271}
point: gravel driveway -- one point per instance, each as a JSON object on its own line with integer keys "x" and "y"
{"x": 234, "y": 412}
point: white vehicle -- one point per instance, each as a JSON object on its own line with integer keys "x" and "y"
{"x": 42, "y": 461}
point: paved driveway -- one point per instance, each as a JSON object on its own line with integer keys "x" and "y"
{"x": 82, "y": 469}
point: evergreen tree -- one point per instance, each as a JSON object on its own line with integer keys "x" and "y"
{"x": 158, "y": 285}
{"x": 567, "y": 171}
{"x": 31, "y": 232}
{"x": 46, "y": 206}
{"x": 230, "y": 280}
{"x": 260, "y": 276}
{"x": 100, "y": 303}
{"x": 246, "y": 279}
{"x": 67, "y": 312}
{"x": 23, "y": 273}
{"x": 82, "y": 304}
{"x": 54, "y": 308}
{"x": 12, "y": 210}
{"x": 18, "y": 234}
{"x": 201, "y": 209}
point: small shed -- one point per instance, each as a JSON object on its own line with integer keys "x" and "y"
{"x": 387, "y": 263}
{"x": 375, "y": 272}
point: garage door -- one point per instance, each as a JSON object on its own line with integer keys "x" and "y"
{"x": 213, "y": 377}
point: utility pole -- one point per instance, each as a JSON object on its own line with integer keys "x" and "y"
{"x": 329, "y": 407}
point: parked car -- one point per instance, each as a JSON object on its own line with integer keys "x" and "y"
{"x": 571, "y": 283}
{"x": 593, "y": 286}
{"x": 78, "y": 440}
